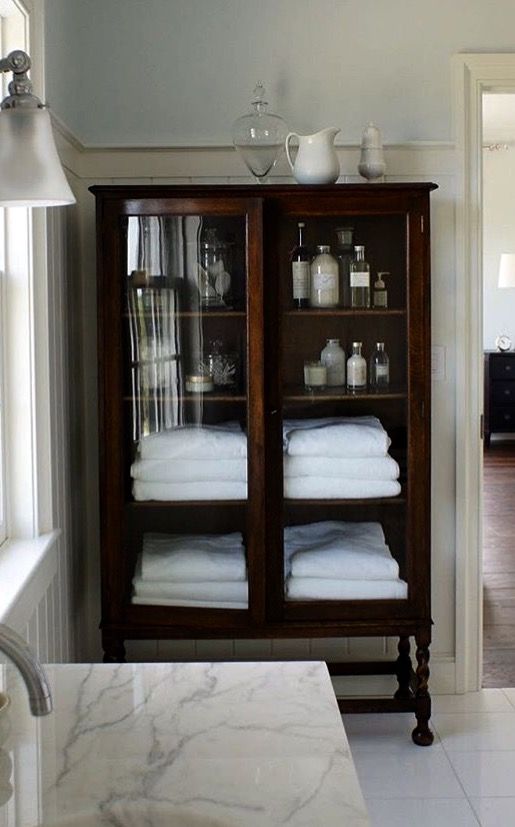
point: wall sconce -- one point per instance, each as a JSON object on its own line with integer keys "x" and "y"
{"x": 507, "y": 270}
{"x": 31, "y": 174}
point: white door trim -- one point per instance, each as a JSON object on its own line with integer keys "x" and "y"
{"x": 473, "y": 74}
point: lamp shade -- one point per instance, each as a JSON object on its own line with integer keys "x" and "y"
{"x": 31, "y": 174}
{"x": 507, "y": 270}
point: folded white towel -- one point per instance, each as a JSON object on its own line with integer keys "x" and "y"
{"x": 308, "y": 535}
{"x": 365, "y": 468}
{"x": 319, "y": 588}
{"x": 214, "y": 490}
{"x": 333, "y": 559}
{"x": 226, "y": 441}
{"x": 228, "y": 591}
{"x": 361, "y": 436}
{"x": 192, "y": 557}
{"x": 334, "y": 488}
{"x": 189, "y": 470}
{"x": 196, "y": 604}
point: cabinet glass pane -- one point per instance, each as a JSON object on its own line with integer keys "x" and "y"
{"x": 185, "y": 397}
{"x": 344, "y": 433}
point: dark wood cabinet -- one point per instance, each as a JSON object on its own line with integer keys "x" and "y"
{"x": 195, "y": 277}
{"x": 499, "y": 393}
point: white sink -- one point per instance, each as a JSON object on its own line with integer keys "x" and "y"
{"x": 138, "y": 814}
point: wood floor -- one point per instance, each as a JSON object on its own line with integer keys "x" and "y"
{"x": 499, "y": 565}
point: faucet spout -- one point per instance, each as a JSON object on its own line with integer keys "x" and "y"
{"x": 40, "y": 698}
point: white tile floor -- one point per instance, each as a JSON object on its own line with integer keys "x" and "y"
{"x": 466, "y": 778}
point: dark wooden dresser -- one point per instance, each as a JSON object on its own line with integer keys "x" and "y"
{"x": 499, "y": 393}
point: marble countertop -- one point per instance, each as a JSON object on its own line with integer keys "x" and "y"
{"x": 223, "y": 744}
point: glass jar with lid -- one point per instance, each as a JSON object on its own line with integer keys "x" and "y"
{"x": 333, "y": 357}
{"x": 259, "y": 136}
{"x": 324, "y": 278}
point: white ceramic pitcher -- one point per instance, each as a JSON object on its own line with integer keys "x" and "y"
{"x": 316, "y": 161}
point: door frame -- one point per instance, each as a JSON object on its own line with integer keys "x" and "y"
{"x": 473, "y": 74}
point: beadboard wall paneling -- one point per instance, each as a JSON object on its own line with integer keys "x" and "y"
{"x": 419, "y": 161}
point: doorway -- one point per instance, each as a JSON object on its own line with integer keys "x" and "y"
{"x": 498, "y": 243}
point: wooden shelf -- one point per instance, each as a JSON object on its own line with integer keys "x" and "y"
{"x": 182, "y": 503}
{"x": 192, "y": 314}
{"x": 298, "y": 393}
{"x": 210, "y": 396}
{"x": 400, "y": 499}
{"x": 345, "y": 311}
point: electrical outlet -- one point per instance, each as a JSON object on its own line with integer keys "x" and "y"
{"x": 438, "y": 363}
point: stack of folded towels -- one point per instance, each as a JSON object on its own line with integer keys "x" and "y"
{"x": 192, "y": 462}
{"x": 338, "y": 458}
{"x": 206, "y": 570}
{"x": 335, "y": 560}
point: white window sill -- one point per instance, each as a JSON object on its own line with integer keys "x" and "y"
{"x": 25, "y": 565}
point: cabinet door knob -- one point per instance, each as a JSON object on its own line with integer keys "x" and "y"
{"x": 507, "y": 392}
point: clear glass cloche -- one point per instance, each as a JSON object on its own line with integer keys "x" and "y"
{"x": 259, "y": 136}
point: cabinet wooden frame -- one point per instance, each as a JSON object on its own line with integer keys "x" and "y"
{"x": 394, "y": 217}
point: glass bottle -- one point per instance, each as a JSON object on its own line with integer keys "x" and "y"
{"x": 359, "y": 279}
{"x": 379, "y": 367}
{"x": 380, "y": 294}
{"x": 324, "y": 278}
{"x": 356, "y": 369}
{"x": 300, "y": 270}
{"x": 333, "y": 357}
{"x": 344, "y": 254}
{"x": 259, "y": 136}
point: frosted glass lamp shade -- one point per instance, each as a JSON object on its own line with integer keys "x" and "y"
{"x": 30, "y": 170}
{"x": 507, "y": 270}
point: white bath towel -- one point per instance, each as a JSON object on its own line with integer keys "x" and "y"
{"x": 361, "y": 561}
{"x": 319, "y": 588}
{"x": 309, "y": 535}
{"x": 228, "y": 591}
{"x": 214, "y": 490}
{"x": 192, "y": 557}
{"x": 365, "y": 468}
{"x": 334, "y": 488}
{"x": 189, "y": 470}
{"x": 361, "y": 436}
{"x": 224, "y": 441}
{"x": 196, "y": 604}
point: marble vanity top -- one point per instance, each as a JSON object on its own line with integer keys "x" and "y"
{"x": 207, "y": 744}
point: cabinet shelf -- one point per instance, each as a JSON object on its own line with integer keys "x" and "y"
{"x": 190, "y": 397}
{"x": 196, "y": 314}
{"x": 371, "y": 501}
{"x": 344, "y": 311}
{"x": 142, "y": 504}
{"x": 300, "y": 394}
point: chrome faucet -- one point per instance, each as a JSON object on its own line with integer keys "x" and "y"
{"x": 40, "y": 699}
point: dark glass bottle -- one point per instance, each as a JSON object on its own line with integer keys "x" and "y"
{"x": 300, "y": 270}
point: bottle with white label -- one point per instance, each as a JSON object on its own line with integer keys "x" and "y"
{"x": 300, "y": 270}
{"x": 333, "y": 357}
{"x": 380, "y": 294}
{"x": 359, "y": 279}
{"x": 324, "y": 279}
{"x": 356, "y": 369}
{"x": 379, "y": 367}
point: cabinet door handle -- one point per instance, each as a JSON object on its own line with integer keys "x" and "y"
{"x": 507, "y": 368}
{"x": 507, "y": 392}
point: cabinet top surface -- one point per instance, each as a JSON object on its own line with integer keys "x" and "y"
{"x": 255, "y": 190}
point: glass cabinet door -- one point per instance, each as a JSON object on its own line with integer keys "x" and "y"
{"x": 186, "y": 390}
{"x": 344, "y": 429}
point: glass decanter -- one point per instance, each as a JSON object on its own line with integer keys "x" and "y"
{"x": 259, "y": 136}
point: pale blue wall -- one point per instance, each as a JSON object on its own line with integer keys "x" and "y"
{"x": 164, "y": 72}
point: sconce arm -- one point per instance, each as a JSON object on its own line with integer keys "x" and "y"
{"x": 20, "y": 87}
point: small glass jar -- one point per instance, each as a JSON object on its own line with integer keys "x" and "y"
{"x": 333, "y": 357}
{"x": 315, "y": 376}
{"x": 224, "y": 368}
{"x": 324, "y": 278}
{"x": 356, "y": 369}
{"x": 379, "y": 367}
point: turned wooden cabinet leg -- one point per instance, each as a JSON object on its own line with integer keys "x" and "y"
{"x": 403, "y": 669}
{"x": 114, "y": 649}
{"x": 422, "y": 735}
